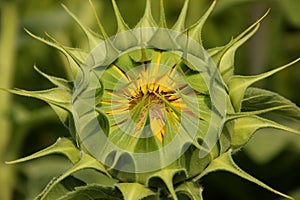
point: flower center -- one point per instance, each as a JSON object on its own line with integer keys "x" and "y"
{"x": 154, "y": 101}
{"x": 146, "y": 100}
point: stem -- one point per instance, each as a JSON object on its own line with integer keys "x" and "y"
{"x": 8, "y": 35}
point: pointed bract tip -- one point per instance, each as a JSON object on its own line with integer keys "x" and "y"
{"x": 147, "y": 19}
{"x": 162, "y": 21}
{"x": 196, "y": 30}
{"x": 122, "y": 26}
{"x": 180, "y": 23}
{"x": 100, "y": 26}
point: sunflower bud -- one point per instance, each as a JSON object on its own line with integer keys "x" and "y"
{"x": 153, "y": 111}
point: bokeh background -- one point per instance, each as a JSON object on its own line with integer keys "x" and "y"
{"x": 28, "y": 125}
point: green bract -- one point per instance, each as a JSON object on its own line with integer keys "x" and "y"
{"x": 152, "y": 112}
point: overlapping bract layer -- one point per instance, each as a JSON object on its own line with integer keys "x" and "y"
{"x": 155, "y": 102}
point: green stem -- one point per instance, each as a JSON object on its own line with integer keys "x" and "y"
{"x": 8, "y": 35}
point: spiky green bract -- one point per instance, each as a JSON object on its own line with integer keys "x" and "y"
{"x": 102, "y": 172}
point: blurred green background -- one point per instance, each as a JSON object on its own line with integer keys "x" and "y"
{"x": 28, "y": 125}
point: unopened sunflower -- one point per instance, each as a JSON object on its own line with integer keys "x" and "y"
{"x": 152, "y": 111}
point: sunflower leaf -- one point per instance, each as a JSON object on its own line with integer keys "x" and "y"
{"x": 225, "y": 163}
{"x": 260, "y": 99}
{"x": 92, "y": 192}
{"x": 224, "y": 56}
{"x": 56, "y": 96}
{"x": 62, "y": 114}
{"x": 226, "y": 65}
{"x": 134, "y": 191}
{"x": 62, "y": 146}
{"x": 59, "y": 82}
{"x": 62, "y": 188}
{"x": 167, "y": 176}
{"x": 189, "y": 189}
{"x": 74, "y": 56}
{"x": 246, "y": 126}
{"x": 85, "y": 162}
{"x": 238, "y": 84}
{"x": 92, "y": 37}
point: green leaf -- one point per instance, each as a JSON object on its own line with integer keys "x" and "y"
{"x": 134, "y": 191}
{"x": 92, "y": 37}
{"x": 238, "y": 84}
{"x": 91, "y": 176}
{"x": 56, "y": 193}
{"x": 62, "y": 146}
{"x": 225, "y": 163}
{"x": 63, "y": 115}
{"x": 75, "y": 56}
{"x": 59, "y": 82}
{"x": 62, "y": 188}
{"x": 92, "y": 192}
{"x": 56, "y": 96}
{"x": 267, "y": 145}
{"x": 192, "y": 163}
{"x": 78, "y": 55}
{"x": 167, "y": 176}
{"x": 80, "y": 183}
{"x": 246, "y": 126}
{"x": 190, "y": 189}
{"x": 41, "y": 171}
{"x": 260, "y": 99}
{"x": 224, "y": 56}
{"x": 85, "y": 162}
{"x": 225, "y": 138}
{"x": 226, "y": 64}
